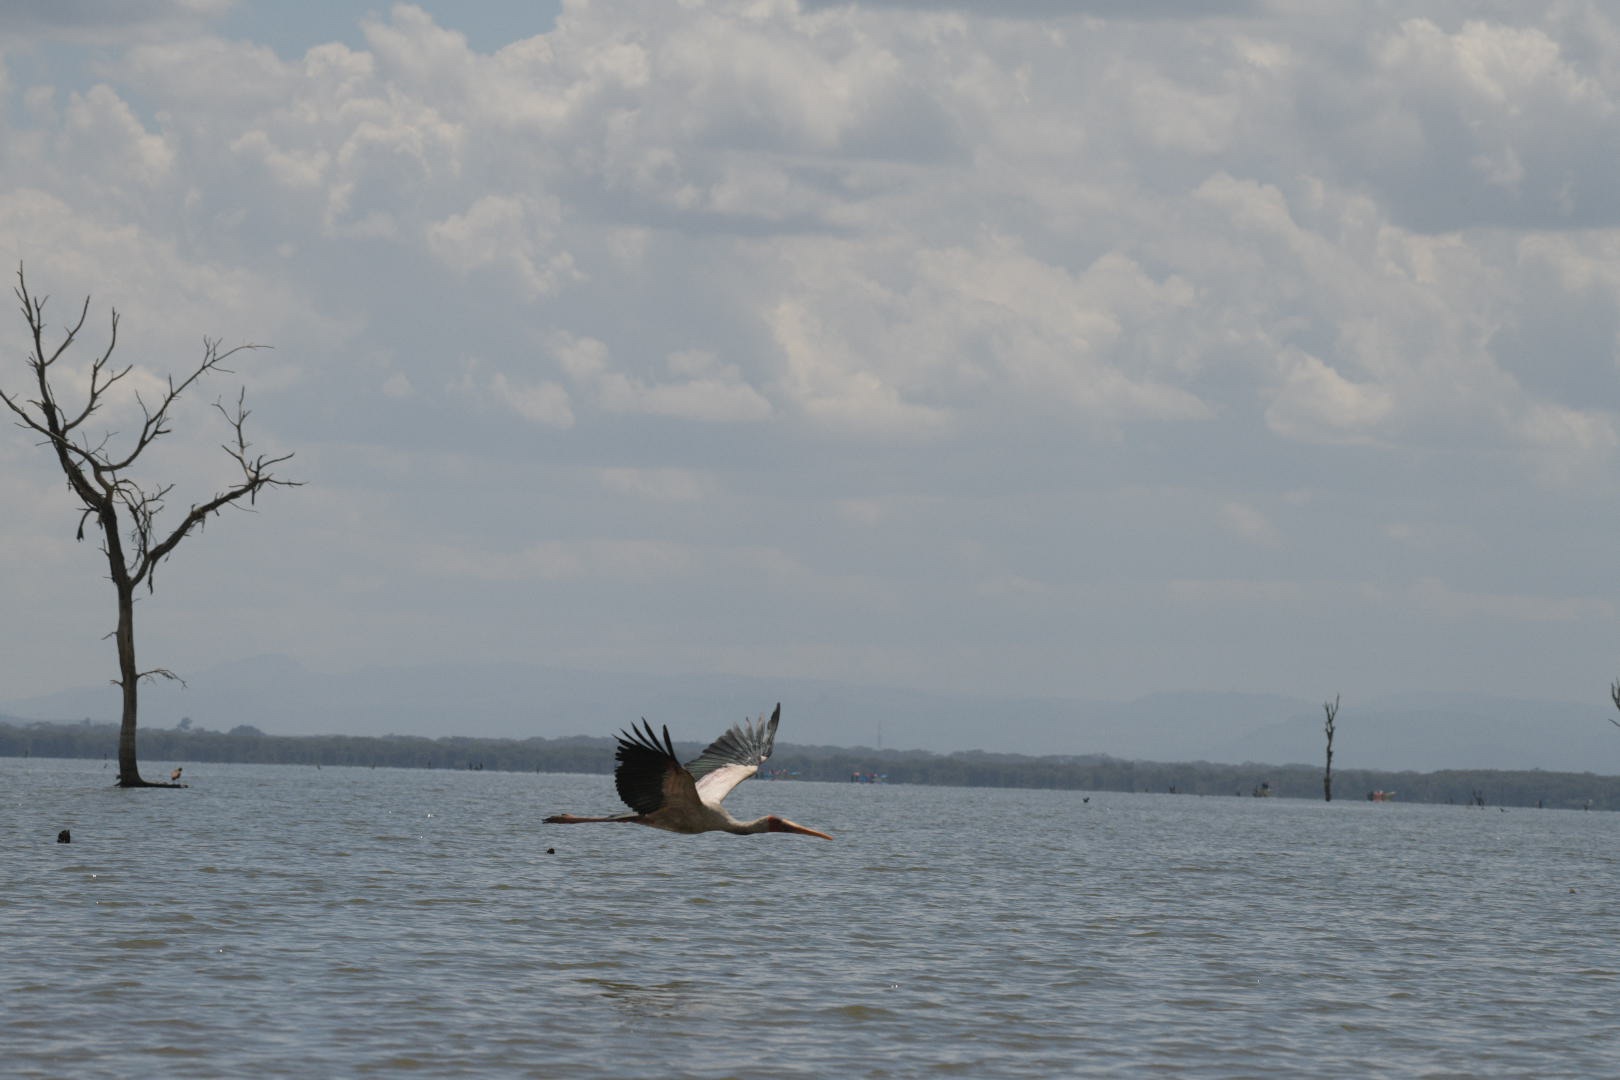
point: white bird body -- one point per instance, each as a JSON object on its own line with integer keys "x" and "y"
{"x": 686, "y": 798}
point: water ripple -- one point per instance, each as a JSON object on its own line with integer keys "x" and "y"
{"x": 270, "y": 922}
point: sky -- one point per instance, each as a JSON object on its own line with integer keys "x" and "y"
{"x": 1069, "y": 348}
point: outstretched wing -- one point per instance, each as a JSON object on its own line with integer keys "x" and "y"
{"x": 733, "y": 757}
{"x": 649, "y": 776}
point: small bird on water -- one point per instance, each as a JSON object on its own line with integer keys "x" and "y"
{"x": 178, "y": 769}
{"x": 686, "y": 798}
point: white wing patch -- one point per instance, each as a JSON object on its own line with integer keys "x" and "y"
{"x": 734, "y": 757}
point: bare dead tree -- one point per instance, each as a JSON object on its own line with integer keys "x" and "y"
{"x": 1614, "y": 692}
{"x": 126, "y": 511}
{"x": 1332, "y": 710}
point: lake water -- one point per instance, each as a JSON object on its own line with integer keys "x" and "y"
{"x": 293, "y": 921}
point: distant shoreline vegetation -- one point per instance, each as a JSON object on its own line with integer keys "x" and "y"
{"x": 973, "y": 768}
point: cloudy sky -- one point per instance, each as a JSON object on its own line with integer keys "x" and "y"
{"x": 1062, "y": 347}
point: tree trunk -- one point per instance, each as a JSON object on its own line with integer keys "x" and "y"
{"x": 129, "y": 675}
{"x": 129, "y": 679}
{"x": 1331, "y": 708}
{"x": 129, "y": 773}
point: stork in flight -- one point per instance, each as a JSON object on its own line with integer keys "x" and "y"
{"x": 686, "y": 798}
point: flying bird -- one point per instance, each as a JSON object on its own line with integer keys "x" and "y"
{"x": 686, "y": 798}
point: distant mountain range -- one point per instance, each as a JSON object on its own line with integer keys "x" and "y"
{"x": 1422, "y": 732}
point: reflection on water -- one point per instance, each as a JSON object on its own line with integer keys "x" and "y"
{"x": 283, "y": 921}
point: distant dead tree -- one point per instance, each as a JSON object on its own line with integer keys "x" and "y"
{"x": 1332, "y": 710}
{"x": 125, "y": 510}
{"x": 1614, "y": 692}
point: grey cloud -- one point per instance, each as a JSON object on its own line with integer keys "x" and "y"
{"x": 1561, "y": 346}
{"x": 1062, "y": 246}
{"x": 1444, "y": 182}
{"x": 92, "y": 20}
{"x": 1491, "y": 124}
{"x": 1043, "y": 9}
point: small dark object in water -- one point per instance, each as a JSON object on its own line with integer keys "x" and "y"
{"x": 553, "y": 851}
{"x": 65, "y": 837}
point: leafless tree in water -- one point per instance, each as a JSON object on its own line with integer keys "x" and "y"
{"x": 1332, "y": 710}
{"x": 125, "y": 511}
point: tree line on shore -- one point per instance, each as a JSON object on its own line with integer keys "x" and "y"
{"x": 587, "y": 754}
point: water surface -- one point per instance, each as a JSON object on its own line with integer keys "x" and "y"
{"x": 294, "y": 921}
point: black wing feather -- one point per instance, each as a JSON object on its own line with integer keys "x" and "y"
{"x": 643, "y": 765}
{"x": 747, "y": 743}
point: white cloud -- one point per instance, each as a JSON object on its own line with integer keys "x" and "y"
{"x": 170, "y": 298}
{"x": 1466, "y": 120}
{"x": 881, "y": 342}
{"x": 1427, "y": 598}
{"x": 1051, "y": 334}
{"x": 101, "y": 125}
{"x": 1436, "y": 598}
{"x": 699, "y": 388}
{"x": 510, "y": 232}
{"x": 1421, "y": 535}
{"x": 211, "y": 73}
{"x": 1245, "y": 521}
{"x": 297, "y": 170}
{"x": 980, "y": 268}
{"x": 834, "y": 387}
{"x": 1315, "y": 403}
{"x": 638, "y": 561}
{"x": 541, "y": 401}
{"x": 867, "y": 513}
{"x": 1570, "y": 446}
{"x": 1237, "y": 593}
{"x": 660, "y": 485}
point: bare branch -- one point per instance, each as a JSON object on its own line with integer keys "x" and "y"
{"x": 155, "y": 424}
{"x": 34, "y": 312}
{"x": 256, "y": 474}
{"x": 50, "y": 423}
{"x": 159, "y": 672}
{"x": 100, "y": 382}
{"x": 1614, "y": 692}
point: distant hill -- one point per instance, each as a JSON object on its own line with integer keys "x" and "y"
{"x": 1414, "y": 732}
